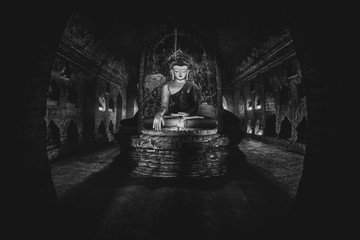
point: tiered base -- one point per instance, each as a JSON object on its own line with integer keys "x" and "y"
{"x": 181, "y": 153}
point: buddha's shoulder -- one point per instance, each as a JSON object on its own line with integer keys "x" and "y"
{"x": 166, "y": 85}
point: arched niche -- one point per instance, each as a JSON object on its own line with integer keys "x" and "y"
{"x": 66, "y": 72}
{"x": 285, "y": 129}
{"x": 72, "y": 133}
{"x": 102, "y": 130}
{"x": 102, "y": 103}
{"x": 258, "y": 102}
{"x": 249, "y": 104}
{"x": 53, "y": 94}
{"x": 249, "y": 128}
{"x": 159, "y": 53}
{"x": 258, "y": 128}
{"x": 270, "y": 125}
{"x": 53, "y": 134}
{"x": 111, "y": 107}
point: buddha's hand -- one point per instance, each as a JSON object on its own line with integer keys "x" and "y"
{"x": 184, "y": 114}
{"x": 158, "y": 121}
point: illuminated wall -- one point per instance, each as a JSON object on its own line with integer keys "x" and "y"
{"x": 270, "y": 95}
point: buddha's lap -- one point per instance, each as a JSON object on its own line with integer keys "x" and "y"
{"x": 201, "y": 123}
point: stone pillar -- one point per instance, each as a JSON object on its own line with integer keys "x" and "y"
{"x": 32, "y": 197}
{"x": 317, "y": 208}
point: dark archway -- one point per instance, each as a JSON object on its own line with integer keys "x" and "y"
{"x": 102, "y": 130}
{"x": 111, "y": 105}
{"x": 72, "y": 133}
{"x": 54, "y": 91}
{"x": 285, "y": 129}
{"x": 270, "y": 125}
{"x": 53, "y": 134}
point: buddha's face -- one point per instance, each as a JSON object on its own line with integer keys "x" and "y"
{"x": 180, "y": 72}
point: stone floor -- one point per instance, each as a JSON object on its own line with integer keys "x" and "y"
{"x": 100, "y": 200}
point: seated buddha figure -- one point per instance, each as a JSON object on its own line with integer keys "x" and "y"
{"x": 179, "y": 104}
{"x": 179, "y": 101}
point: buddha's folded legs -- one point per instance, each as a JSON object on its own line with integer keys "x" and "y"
{"x": 201, "y": 123}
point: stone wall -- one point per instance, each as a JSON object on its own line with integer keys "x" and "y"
{"x": 87, "y": 91}
{"x": 270, "y": 96}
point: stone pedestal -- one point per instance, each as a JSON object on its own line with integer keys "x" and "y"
{"x": 175, "y": 152}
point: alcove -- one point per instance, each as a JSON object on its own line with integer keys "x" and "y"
{"x": 54, "y": 91}
{"x": 270, "y": 125}
{"x": 249, "y": 127}
{"x": 53, "y": 134}
{"x": 102, "y": 130}
{"x": 285, "y": 129}
{"x": 111, "y": 105}
{"x": 72, "y": 133}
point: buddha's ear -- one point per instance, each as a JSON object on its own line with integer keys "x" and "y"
{"x": 187, "y": 74}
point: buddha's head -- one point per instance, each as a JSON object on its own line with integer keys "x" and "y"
{"x": 179, "y": 70}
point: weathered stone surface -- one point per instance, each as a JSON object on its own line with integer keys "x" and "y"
{"x": 180, "y": 132}
{"x": 178, "y": 142}
{"x": 180, "y": 155}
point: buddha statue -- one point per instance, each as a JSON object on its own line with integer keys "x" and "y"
{"x": 177, "y": 141}
{"x": 179, "y": 103}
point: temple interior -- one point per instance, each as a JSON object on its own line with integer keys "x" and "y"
{"x": 87, "y": 168}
